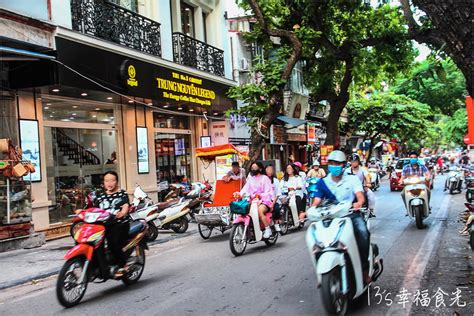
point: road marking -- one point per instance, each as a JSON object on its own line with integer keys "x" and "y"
{"x": 418, "y": 265}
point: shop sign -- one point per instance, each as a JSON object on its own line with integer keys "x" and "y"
{"x": 223, "y": 165}
{"x": 205, "y": 141}
{"x": 29, "y": 143}
{"x": 219, "y": 132}
{"x": 292, "y": 137}
{"x": 138, "y": 78}
{"x": 325, "y": 150}
{"x": 277, "y": 135}
{"x": 311, "y": 130}
{"x": 142, "y": 150}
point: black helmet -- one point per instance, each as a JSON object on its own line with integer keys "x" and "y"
{"x": 354, "y": 157}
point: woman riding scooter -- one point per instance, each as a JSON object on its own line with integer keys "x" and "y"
{"x": 292, "y": 181}
{"x": 259, "y": 184}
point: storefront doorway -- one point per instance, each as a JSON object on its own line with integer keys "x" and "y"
{"x": 173, "y": 157}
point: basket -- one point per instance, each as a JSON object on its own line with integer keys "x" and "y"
{"x": 4, "y": 145}
{"x": 241, "y": 207}
{"x": 19, "y": 170}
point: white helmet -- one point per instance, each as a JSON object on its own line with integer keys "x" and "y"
{"x": 337, "y": 155}
{"x": 315, "y": 163}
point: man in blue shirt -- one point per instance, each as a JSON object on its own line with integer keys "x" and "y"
{"x": 339, "y": 187}
{"x": 415, "y": 169}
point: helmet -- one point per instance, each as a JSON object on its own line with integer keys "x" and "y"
{"x": 354, "y": 157}
{"x": 298, "y": 164}
{"x": 315, "y": 163}
{"x": 337, "y": 155}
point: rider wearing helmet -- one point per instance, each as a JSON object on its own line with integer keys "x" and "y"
{"x": 340, "y": 187}
{"x": 316, "y": 171}
{"x": 363, "y": 175}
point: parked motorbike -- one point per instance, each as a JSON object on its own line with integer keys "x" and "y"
{"x": 199, "y": 194}
{"x": 335, "y": 256}
{"x": 176, "y": 214}
{"x": 416, "y": 199}
{"x": 247, "y": 229}
{"x": 454, "y": 180}
{"x": 90, "y": 259}
{"x": 374, "y": 178}
{"x": 143, "y": 207}
{"x": 289, "y": 210}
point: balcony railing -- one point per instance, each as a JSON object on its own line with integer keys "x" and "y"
{"x": 194, "y": 53}
{"x": 116, "y": 24}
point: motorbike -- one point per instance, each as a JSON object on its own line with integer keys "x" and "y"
{"x": 91, "y": 260}
{"x": 289, "y": 210}
{"x": 311, "y": 187}
{"x": 143, "y": 207}
{"x": 247, "y": 229}
{"x": 416, "y": 199}
{"x": 469, "y": 178}
{"x": 199, "y": 194}
{"x": 335, "y": 256}
{"x": 454, "y": 180}
{"x": 375, "y": 178}
{"x": 470, "y": 207}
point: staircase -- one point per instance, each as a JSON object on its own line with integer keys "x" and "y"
{"x": 73, "y": 150}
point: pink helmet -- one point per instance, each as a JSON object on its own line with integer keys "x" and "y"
{"x": 298, "y": 164}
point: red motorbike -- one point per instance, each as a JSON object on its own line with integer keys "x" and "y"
{"x": 90, "y": 260}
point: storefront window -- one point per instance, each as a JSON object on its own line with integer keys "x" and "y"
{"x": 77, "y": 159}
{"x": 73, "y": 111}
{"x": 173, "y": 157}
{"x": 166, "y": 121}
{"x": 187, "y": 19}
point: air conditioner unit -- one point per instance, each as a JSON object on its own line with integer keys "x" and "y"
{"x": 244, "y": 64}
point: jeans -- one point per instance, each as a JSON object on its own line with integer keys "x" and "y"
{"x": 117, "y": 235}
{"x": 362, "y": 236}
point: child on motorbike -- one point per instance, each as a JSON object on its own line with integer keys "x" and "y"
{"x": 115, "y": 200}
{"x": 259, "y": 184}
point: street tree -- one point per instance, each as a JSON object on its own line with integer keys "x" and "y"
{"x": 437, "y": 83}
{"x": 456, "y": 127}
{"x": 264, "y": 96}
{"x": 388, "y": 115}
{"x": 447, "y": 25}
{"x": 359, "y": 46}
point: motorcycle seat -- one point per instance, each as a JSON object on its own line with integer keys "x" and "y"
{"x": 135, "y": 228}
{"x": 163, "y": 205}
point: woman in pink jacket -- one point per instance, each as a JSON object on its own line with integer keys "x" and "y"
{"x": 259, "y": 184}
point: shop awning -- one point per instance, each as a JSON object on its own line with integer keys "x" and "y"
{"x": 209, "y": 153}
{"x": 9, "y": 53}
{"x": 295, "y": 122}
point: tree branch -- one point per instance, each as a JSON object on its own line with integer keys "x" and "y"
{"x": 285, "y": 34}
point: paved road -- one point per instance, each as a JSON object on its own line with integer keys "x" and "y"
{"x": 191, "y": 276}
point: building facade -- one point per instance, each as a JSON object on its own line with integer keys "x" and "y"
{"x": 124, "y": 85}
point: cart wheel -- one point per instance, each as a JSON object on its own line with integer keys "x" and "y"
{"x": 205, "y": 231}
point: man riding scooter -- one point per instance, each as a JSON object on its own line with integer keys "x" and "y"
{"x": 363, "y": 175}
{"x": 340, "y": 187}
{"x": 414, "y": 168}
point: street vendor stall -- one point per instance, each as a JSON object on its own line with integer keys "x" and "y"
{"x": 216, "y": 215}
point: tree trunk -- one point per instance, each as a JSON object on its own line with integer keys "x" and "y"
{"x": 332, "y": 130}
{"x": 453, "y": 22}
{"x": 371, "y": 146}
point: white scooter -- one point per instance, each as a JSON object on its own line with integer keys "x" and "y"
{"x": 416, "y": 199}
{"x": 374, "y": 178}
{"x": 247, "y": 229}
{"x": 335, "y": 255}
{"x": 289, "y": 210}
{"x": 454, "y": 180}
{"x": 143, "y": 208}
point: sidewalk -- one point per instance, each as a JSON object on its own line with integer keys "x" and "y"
{"x": 450, "y": 268}
{"x": 25, "y": 265}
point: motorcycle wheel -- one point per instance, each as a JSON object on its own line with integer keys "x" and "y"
{"x": 451, "y": 188}
{"x": 180, "y": 226}
{"x": 334, "y": 301}
{"x": 272, "y": 240}
{"x": 286, "y": 224}
{"x": 74, "y": 228}
{"x": 205, "y": 231}
{"x": 68, "y": 291}
{"x": 237, "y": 241}
{"x": 136, "y": 270}
{"x": 152, "y": 232}
{"x": 419, "y": 217}
{"x": 471, "y": 239}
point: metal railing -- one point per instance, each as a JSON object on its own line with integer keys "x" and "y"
{"x": 74, "y": 150}
{"x": 194, "y": 53}
{"x": 116, "y": 24}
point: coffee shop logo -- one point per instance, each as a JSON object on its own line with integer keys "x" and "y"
{"x": 131, "y": 81}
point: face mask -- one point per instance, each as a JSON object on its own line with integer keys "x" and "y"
{"x": 254, "y": 172}
{"x": 413, "y": 161}
{"x": 335, "y": 170}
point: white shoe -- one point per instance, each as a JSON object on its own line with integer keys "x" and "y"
{"x": 268, "y": 233}
{"x": 277, "y": 227}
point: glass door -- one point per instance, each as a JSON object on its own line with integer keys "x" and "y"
{"x": 173, "y": 157}
{"x": 78, "y": 159}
